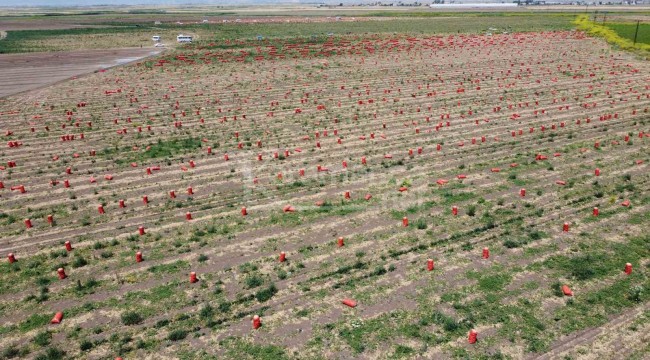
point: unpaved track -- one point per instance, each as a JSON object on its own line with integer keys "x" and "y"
{"x": 49, "y": 24}
{"x": 22, "y": 72}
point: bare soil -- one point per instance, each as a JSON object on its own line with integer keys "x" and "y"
{"x": 22, "y": 72}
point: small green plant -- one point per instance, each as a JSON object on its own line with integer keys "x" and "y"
{"x": 161, "y": 323}
{"x": 471, "y": 210}
{"x": 253, "y": 281}
{"x": 247, "y": 267}
{"x": 85, "y": 221}
{"x": 510, "y": 244}
{"x": 403, "y": 351}
{"x": 379, "y": 270}
{"x": 43, "y": 338}
{"x": 58, "y": 253}
{"x": 556, "y": 287}
{"x": 79, "y": 262}
{"x": 176, "y": 335}
{"x": 224, "y": 307}
{"x": 51, "y": 354}
{"x": 85, "y": 345}
{"x": 635, "y": 293}
{"x": 10, "y": 352}
{"x": 207, "y": 312}
{"x": 282, "y": 274}
{"x": 131, "y": 318}
{"x": 266, "y": 293}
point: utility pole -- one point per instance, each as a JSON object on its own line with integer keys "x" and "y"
{"x": 637, "y": 30}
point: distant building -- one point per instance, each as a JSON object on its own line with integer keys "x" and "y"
{"x": 474, "y": 5}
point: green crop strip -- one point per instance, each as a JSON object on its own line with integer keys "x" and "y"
{"x": 627, "y": 30}
{"x": 609, "y": 34}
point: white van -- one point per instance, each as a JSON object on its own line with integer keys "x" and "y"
{"x": 184, "y": 38}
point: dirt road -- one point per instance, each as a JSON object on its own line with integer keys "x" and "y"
{"x": 21, "y": 72}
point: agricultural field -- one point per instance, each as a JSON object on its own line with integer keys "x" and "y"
{"x": 136, "y": 31}
{"x": 393, "y": 194}
{"x": 628, "y": 30}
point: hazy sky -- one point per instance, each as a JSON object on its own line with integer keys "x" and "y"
{"x": 134, "y": 2}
